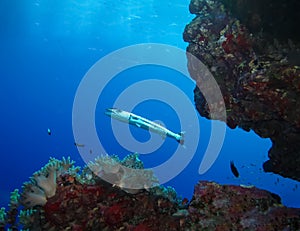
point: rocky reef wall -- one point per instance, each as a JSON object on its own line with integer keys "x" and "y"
{"x": 252, "y": 49}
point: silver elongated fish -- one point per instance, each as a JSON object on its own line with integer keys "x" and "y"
{"x": 128, "y": 117}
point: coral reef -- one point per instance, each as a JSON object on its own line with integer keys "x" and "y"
{"x": 128, "y": 174}
{"x": 230, "y": 207}
{"x": 83, "y": 201}
{"x": 43, "y": 183}
{"x": 258, "y": 73}
{"x": 9, "y": 218}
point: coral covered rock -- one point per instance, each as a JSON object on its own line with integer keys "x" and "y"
{"x": 128, "y": 174}
{"x": 230, "y": 207}
{"x": 276, "y": 18}
{"x": 103, "y": 207}
{"x": 257, "y": 74}
{"x": 90, "y": 203}
{"x": 43, "y": 183}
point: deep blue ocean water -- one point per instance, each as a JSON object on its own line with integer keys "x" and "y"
{"x": 46, "y": 49}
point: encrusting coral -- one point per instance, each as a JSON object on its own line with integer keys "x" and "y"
{"x": 258, "y": 71}
{"x": 84, "y": 201}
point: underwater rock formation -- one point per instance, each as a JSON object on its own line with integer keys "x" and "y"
{"x": 231, "y": 207}
{"x": 276, "y": 18}
{"x": 258, "y": 73}
{"x": 83, "y": 201}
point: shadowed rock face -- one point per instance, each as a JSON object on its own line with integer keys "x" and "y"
{"x": 276, "y": 17}
{"x": 256, "y": 62}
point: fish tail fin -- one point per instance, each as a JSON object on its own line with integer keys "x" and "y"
{"x": 181, "y": 139}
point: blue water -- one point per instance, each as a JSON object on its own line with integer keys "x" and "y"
{"x": 46, "y": 49}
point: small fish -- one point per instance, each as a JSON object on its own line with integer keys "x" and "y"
{"x": 234, "y": 169}
{"x": 79, "y": 145}
{"x": 246, "y": 186}
{"x": 49, "y": 131}
{"x": 184, "y": 201}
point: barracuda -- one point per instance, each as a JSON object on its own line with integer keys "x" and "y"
{"x": 144, "y": 123}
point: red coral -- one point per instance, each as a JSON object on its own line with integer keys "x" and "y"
{"x": 115, "y": 214}
{"x": 142, "y": 227}
{"x": 228, "y": 44}
{"x": 52, "y": 207}
{"x": 242, "y": 41}
{"x": 234, "y": 44}
{"x": 238, "y": 208}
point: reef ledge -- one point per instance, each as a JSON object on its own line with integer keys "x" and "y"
{"x": 257, "y": 69}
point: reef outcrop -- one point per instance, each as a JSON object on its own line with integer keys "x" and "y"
{"x": 231, "y": 207}
{"x": 255, "y": 59}
{"x": 83, "y": 201}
